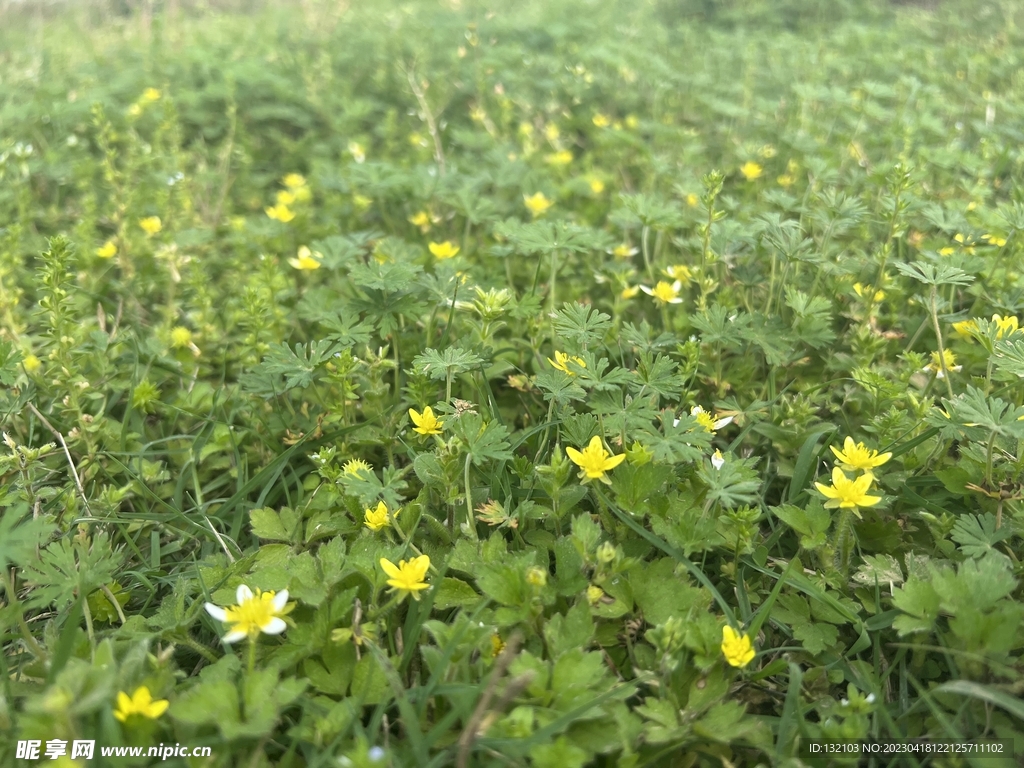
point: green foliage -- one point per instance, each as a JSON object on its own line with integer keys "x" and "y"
{"x": 646, "y": 296}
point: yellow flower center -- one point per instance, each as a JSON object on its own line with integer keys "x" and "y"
{"x": 252, "y": 615}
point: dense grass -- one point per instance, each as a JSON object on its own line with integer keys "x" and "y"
{"x": 244, "y": 249}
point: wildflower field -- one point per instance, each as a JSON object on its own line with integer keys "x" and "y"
{"x": 550, "y": 384}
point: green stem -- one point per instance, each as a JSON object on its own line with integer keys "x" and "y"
{"x": 470, "y": 524}
{"x": 26, "y": 633}
{"x": 251, "y": 661}
{"x": 938, "y": 339}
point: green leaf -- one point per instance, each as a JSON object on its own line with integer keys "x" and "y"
{"x": 977, "y": 534}
{"x": 572, "y": 630}
{"x": 454, "y": 593}
{"x": 581, "y": 325}
{"x": 439, "y": 365}
{"x": 934, "y": 274}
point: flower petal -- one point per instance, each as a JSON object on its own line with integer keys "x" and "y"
{"x": 242, "y": 594}
{"x": 390, "y": 568}
{"x": 280, "y": 600}
{"x": 216, "y": 611}
{"x": 274, "y": 627}
{"x": 234, "y": 637}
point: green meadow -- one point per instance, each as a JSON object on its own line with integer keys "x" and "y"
{"x": 550, "y": 384}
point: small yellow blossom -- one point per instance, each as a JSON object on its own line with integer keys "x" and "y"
{"x": 355, "y": 467}
{"x": 497, "y": 645}
{"x": 863, "y": 290}
{"x": 294, "y": 180}
{"x": 630, "y": 291}
{"x": 558, "y": 159}
{"x": 751, "y": 170}
{"x": 965, "y": 328}
{"x": 692, "y": 199}
{"x": 664, "y": 292}
{"x": 997, "y": 241}
{"x": 150, "y": 94}
{"x": 1005, "y": 326}
{"x": 281, "y": 213}
{"x": 786, "y": 180}
{"x": 537, "y": 203}
{"x": 561, "y": 360}
{"x": 307, "y": 259}
{"x": 362, "y": 202}
{"x": 601, "y": 121}
{"x": 624, "y": 251}
{"x": 357, "y": 151}
{"x": 846, "y": 493}
{"x": 426, "y": 422}
{"x": 856, "y": 456}
{"x": 551, "y": 132}
{"x": 139, "y": 703}
{"x": 151, "y": 225}
{"x": 181, "y": 337}
{"x": 107, "y": 251}
{"x": 594, "y": 461}
{"x": 252, "y": 614}
{"x": 31, "y": 363}
{"x": 596, "y": 186}
{"x": 421, "y": 220}
{"x": 736, "y": 648}
{"x": 679, "y": 272}
{"x": 408, "y": 577}
{"x": 935, "y": 366}
{"x": 767, "y": 151}
{"x": 378, "y": 518}
{"x": 445, "y": 250}
{"x": 594, "y": 594}
{"x": 285, "y": 198}
{"x": 632, "y": 121}
{"x": 708, "y": 421}
{"x": 947, "y": 251}
{"x": 537, "y": 577}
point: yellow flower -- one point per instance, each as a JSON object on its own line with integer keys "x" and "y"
{"x": 664, "y": 293}
{"x": 151, "y": 225}
{"x": 254, "y": 613}
{"x": 846, "y": 493}
{"x": 858, "y": 456}
{"x": 717, "y": 459}
{"x": 135, "y": 110}
{"x": 362, "y": 202}
{"x": 630, "y": 291}
{"x": 601, "y": 121}
{"x": 997, "y": 241}
{"x": 107, "y": 251}
{"x": 564, "y": 157}
{"x": 294, "y": 180}
{"x": 736, "y": 648}
{"x": 594, "y": 461}
{"x": 139, "y": 703}
{"x": 356, "y": 150}
{"x": 1005, "y": 326}
{"x": 378, "y": 518}
{"x": 31, "y": 363}
{"x": 767, "y": 151}
{"x": 679, "y": 272}
{"x": 751, "y": 170}
{"x": 181, "y": 337}
{"x": 421, "y": 220}
{"x": 445, "y": 250}
{"x": 151, "y": 94}
{"x": 947, "y": 251}
{"x": 551, "y": 132}
{"x": 537, "y": 577}
{"x": 594, "y": 594}
{"x": 307, "y": 259}
{"x": 537, "y": 203}
{"x": 497, "y": 645}
{"x": 426, "y": 422}
{"x": 408, "y": 577}
{"x": 692, "y": 199}
{"x": 965, "y": 327}
{"x": 862, "y": 290}
{"x": 561, "y": 360}
{"x": 623, "y": 251}
{"x": 632, "y": 121}
{"x": 935, "y": 366}
{"x": 596, "y": 186}
{"x": 786, "y": 180}
{"x": 709, "y": 422}
{"x": 355, "y": 467}
{"x": 285, "y": 198}
{"x": 280, "y": 213}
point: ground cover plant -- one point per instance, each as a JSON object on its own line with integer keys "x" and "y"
{"x": 535, "y": 384}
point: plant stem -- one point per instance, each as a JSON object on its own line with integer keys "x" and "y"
{"x": 470, "y": 524}
{"x": 938, "y": 339}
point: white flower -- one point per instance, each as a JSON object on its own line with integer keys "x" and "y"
{"x": 254, "y": 613}
{"x": 717, "y": 460}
